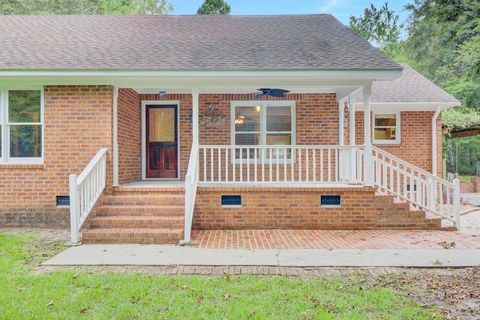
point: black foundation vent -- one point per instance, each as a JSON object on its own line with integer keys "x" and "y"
{"x": 63, "y": 200}
{"x": 231, "y": 200}
{"x": 333, "y": 201}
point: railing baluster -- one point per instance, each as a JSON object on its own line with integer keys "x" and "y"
{"x": 219, "y": 164}
{"x": 336, "y": 165}
{"x": 277, "y": 165}
{"x": 226, "y": 164}
{"x": 299, "y": 150}
{"x": 321, "y": 165}
{"x": 329, "y": 158}
{"x": 211, "y": 165}
{"x": 314, "y": 164}
{"x": 270, "y": 164}
{"x": 293, "y": 156}
{"x": 307, "y": 164}
{"x": 241, "y": 164}
{"x": 248, "y": 164}
{"x": 263, "y": 155}
{"x": 255, "y": 163}
{"x": 233, "y": 155}
{"x": 205, "y": 164}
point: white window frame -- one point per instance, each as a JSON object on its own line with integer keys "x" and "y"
{"x": 263, "y": 121}
{"x": 5, "y": 126}
{"x": 397, "y": 127}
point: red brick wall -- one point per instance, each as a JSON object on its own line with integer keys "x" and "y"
{"x": 129, "y": 136}
{"x": 78, "y": 121}
{"x": 316, "y": 118}
{"x": 415, "y": 140}
{"x": 299, "y": 208}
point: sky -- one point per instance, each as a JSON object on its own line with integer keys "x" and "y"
{"x": 341, "y": 9}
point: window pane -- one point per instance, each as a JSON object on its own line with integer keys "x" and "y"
{"x": 279, "y": 119}
{"x": 385, "y": 120}
{"x": 247, "y": 118}
{"x": 26, "y": 141}
{"x": 247, "y": 139}
{"x": 24, "y": 106}
{"x": 279, "y": 139}
{"x": 385, "y": 134}
{"x": 161, "y": 124}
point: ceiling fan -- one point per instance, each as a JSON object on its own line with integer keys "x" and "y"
{"x": 265, "y": 92}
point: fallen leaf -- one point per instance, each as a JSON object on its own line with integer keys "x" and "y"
{"x": 49, "y": 304}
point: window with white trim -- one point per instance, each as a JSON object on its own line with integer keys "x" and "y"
{"x": 21, "y": 125}
{"x": 263, "y": 123}
{"x": 386, "y": 128}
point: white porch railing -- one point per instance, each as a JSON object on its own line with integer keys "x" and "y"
{"x": 419, "y": 187}
{"x": 286, "y": 165}
{"x": 191, "y": 183}
{"x": 85, "y": 191}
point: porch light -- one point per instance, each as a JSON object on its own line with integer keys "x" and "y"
{"x": 257, "y": 108}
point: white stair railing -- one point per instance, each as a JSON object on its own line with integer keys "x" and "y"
{"x": 419, "y": 187}
{"x": 85, "y": 190}
{"x": 280, "y": 164}
{"x": 191, "y": 183}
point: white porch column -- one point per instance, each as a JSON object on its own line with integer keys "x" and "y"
{"x": 351, "y": 120}
{"x": 195, "y": 96}
{"x": 115, "y": 136}
{"x": 434, "y": 140}
{"x": 367, "y": 135}
{"x": 341, "y": 122}
{"x": 351, "y": 139}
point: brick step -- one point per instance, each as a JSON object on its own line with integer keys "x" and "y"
{"x": 141, "y": 199}
{"x": 149, "y": 190}
{"x": 158, "y": 211}
{"x": 137, "y": 222}
{"x": 145, "y": 236}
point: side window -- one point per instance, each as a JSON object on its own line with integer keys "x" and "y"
{"x": 386, "y": 128}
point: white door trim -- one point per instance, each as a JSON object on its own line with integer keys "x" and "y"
{"x": 144, "y": 126}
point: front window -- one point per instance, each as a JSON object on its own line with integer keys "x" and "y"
{"x": 386, "y": 128}
{"x": 21, "y": 126}
{"x": 262, "y": 123}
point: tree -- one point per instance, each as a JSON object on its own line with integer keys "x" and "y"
{"x": 214, "y": 7}
{"x": 379, "y": 26}
{"x": 444, "y": 44}
{"x": 110, "y": 7}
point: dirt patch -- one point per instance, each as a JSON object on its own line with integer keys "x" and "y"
{"x": 455, "y": 292}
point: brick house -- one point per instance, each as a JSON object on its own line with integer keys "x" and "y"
{"x": 138, "y": 129}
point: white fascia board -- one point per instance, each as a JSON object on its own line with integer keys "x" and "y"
{"x": 333, "y": 74}
{"x": 408, "y": 106}
{"x": 189, "y": 79}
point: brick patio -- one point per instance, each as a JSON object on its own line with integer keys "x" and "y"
{"x": 330, "y": 239}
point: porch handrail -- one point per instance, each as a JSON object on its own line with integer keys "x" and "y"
{"x": 191, "y": 183}
{"x": 416, "y": 186}
{"x": 85, "y": 190}
{"x": 280, "y": 164}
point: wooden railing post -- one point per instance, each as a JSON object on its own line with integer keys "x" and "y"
{"x": 74, "y": 209}
{"x": 456, "y": 202}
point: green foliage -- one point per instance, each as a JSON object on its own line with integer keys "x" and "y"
{"x": 379, "y": 26}
{"x": 444, "y": 44}
{"x": 459, "y": 118}
{"x": 61, "y": 7}
{"x": 462, "y": 155}
{"x": 214, "y": 7}
{"x": 91, "y": 295}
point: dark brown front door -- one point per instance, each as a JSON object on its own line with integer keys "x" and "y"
{"x": 162, "y": 141}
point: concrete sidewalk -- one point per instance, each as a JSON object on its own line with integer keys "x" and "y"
{"x": 160, "y": 255}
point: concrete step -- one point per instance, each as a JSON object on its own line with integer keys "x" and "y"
{"x": 124, "y": 210}
{"x": 144, "y": 236}
{"x": 142, "y": 199}
{"x": 137, "y": 222}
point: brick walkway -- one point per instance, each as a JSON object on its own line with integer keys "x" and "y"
{"x": 329, "y": 239}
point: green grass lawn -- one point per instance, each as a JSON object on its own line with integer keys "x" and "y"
{"x": 83, "y": 295}
{"x": 465, "y": 179}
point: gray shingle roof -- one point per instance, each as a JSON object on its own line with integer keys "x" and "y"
{"x": 289, "y": 42}
{"x": 410, "y": 87}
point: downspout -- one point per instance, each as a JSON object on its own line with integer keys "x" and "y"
{"x": 434, "y": 140}
{"x": 115, "y": 137}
